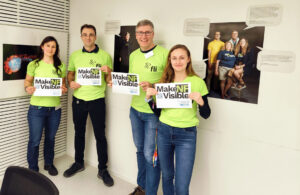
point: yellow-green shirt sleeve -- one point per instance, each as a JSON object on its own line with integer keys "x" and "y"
{"x": 71, "y": 64}
{"x": 31, "y": 68}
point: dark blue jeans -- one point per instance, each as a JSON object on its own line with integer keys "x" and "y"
{"x": 144, "y": 130}
{"x": 40, "y": 118}
{"x": 180, "y": 142}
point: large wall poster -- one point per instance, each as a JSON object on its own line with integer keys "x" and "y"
{"x": 15, "y": 60}
{"x": 251, "y": 75}
{"x": 17, "y": 46}
{"x": 125, "y": 43}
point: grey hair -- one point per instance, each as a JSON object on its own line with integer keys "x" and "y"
{"x": 145, "y": 22}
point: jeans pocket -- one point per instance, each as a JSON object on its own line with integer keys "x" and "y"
{"x": 192, "y": 130}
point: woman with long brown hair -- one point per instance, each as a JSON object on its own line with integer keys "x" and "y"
{"x": 177, "y": 131}
{"x": 244, "y": 58}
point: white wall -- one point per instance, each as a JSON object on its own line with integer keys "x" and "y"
{"x": 243, "y": 148}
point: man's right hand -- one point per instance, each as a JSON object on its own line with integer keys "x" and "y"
{"x": 150, "y": 92}
{"x": 74, "y": 85}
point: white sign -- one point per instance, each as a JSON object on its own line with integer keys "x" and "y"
{"x": 264, "y": 15}
{"x": 47, "y": 86}
{"x": 112, "y": 27}
{"x": 173, "y": 95}
{"x": 125, "y": 83}
{"x": 200, "y": 68}
{"x": 196, "y": 27}
{"x": 276, "y": 61}
{"x": 89, "y": 76}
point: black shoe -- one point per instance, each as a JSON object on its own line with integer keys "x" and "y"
{"x": 104, "y": 175}
{"x": 51, "y": 169}
{"x": 138, "y": 191}
{"x": 75, "y": 168}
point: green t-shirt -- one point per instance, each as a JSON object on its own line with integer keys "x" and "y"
{"x": 149, "y": 69}
{"x": 80, "y": 59}
{"x": 185, "y": 117}
{"x": 45, "y": 70}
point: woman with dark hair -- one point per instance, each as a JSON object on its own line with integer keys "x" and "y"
{"x": 177, "y": 131}
{"x": 44, "y": 111}
{"x": 244, "y": 60}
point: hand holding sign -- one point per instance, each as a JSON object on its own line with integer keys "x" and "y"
{"x": 64, "y": 89}
{"x": 145, "y": 85}
{"x": 197, "y": 97}
{"x": 150, "y": 92}
{"x": 105, "y": 69}
{"x": 30, "y": 90}
{"x": 74, "y": 85}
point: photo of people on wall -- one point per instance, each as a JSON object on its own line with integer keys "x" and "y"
{"x": 231, "y": 51}
{"x": 125, "y": 43}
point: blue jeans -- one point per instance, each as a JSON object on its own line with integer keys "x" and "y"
{"x": 38, "y": 119}
{"x": 144, "y": 131}
{"x": 180, "y": 142}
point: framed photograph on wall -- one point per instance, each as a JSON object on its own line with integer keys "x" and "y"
{"x": 15, "y": 60}
{"x": 244, "y": 86}
{"x": 125, "y": 43}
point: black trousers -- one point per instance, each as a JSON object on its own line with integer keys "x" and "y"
{"x": 96, "y": 110}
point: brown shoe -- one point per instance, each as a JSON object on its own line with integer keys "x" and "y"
{"x": 138, "y": 191}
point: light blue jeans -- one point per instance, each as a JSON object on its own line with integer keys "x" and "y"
{"x": 180, "y": 142}
{"x": 144, "y": 131}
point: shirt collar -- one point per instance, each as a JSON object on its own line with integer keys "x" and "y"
{"x": 93, "y": 51}
{"x": 148, "y": 50}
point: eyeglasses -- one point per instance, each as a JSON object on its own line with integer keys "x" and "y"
{"x": 86, "y": 35}
{"x": 146, "y": 33}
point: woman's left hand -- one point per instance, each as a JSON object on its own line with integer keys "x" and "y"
{"x": 105, "y": 69}
{"x": 64, "y": 89}
{"x": 197, "y": 97}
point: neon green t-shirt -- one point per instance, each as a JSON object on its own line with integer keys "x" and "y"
{"x": 215, "y": 47}
{"x": 79, "y": 59}
{"x": 185, "y": 117}
{"x": 149, "y": 69}
{"x": 45, "y": 70}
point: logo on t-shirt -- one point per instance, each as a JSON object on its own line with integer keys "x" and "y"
{"x": 150, "y": 67}
{"x": 92, "y": 62}
{"x": 229, "y": 55}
